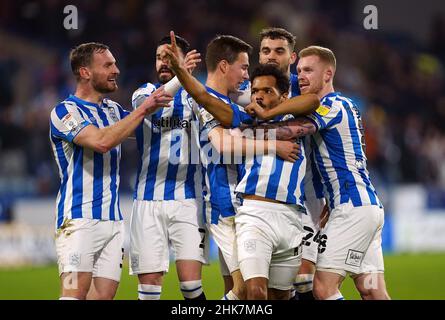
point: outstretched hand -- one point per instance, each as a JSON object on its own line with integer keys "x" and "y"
{"x": 171, "y": 53}
{"x": 174, "y": 59}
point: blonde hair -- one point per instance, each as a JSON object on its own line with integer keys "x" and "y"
{"x": 324, "y": 54}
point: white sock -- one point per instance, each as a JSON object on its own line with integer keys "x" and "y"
{"x": 337, "y": 296}
{"x": 149, "y": 292}
{"x": 303, "y": 283}
{"x": 191, "y": 289}
{"x": 230, "y": 296}
{"x": 68, "y": 298}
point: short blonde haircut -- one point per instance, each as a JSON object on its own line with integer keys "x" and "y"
{"x": 324, "y": 54}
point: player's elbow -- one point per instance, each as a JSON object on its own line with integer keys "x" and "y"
{"x": 103, "y": 145}
{"x": 226, "y": 121}
{"x": 102, "y": 148}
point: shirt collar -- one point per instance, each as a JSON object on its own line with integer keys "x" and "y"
{"x": 219, "y": 95}
{"x": 88, "y": 103}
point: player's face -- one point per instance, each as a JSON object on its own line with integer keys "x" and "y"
{"x": 238, "y": 72}
{"x": 165, "y": 74}
{"x": 104, "y": 72}
{"x": 265, "y": 92}
{"x": 311, "y": 72}
{"x": 277, "y": 53}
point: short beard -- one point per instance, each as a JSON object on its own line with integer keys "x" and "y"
{"x": 164, "y": 80}
{"x": 102, "y": 88}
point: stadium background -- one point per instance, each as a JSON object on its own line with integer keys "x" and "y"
{"x": 395, "y": 74}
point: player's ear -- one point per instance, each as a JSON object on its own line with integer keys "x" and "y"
{"x": 329, "y": 74}
{"x": 223, "y": 65}
{"x": 84, "y": 73}
{"x": 284, "y": 96}
{"x": 293, "y": 57}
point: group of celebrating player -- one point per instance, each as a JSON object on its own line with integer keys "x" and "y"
{"x": 272, "y": 166}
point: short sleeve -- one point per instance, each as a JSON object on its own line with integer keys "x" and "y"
{"x": 206, "y": 119}
{"x": 141, "y": 94}
{"x": 327, "y": 115}
{"x": 66, "y": 121}
{"x": 240, "y": 116}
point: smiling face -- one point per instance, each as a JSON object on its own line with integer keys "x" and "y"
{"x": 103, "y": 72}
{"x": 237, "y": 72}
{"x": 312, "y": 74}
{"x": 276, "y": 52}
{"x": 165, "y": 74}
{"x": 265, "y": 92}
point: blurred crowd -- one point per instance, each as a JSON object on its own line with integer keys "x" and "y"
{"x": 397, "y": 83}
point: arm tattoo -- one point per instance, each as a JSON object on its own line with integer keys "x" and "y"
{"x": 285, "y": 130}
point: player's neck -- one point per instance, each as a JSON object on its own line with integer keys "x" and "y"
{"x": 217, "y": 84}
{"x": 326, "y": 90}
{"x": 87, "y": 93}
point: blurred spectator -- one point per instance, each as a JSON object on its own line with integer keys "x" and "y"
{"x": 398, "y": 85}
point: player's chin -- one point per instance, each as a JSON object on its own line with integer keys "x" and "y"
{"x": 112, "y": 87}
{"x": 165, "y": 77}
{"x": 109, "y": 88}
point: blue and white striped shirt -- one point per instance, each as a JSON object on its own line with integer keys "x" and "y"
{"x": 271, "y": 177}
{"x": 165, "y": 169}
{"x": 313, "y": 186}
{"x": 339, "y": 152}
{"x": 220, "y": 179}
{"x": 89, "y": 180}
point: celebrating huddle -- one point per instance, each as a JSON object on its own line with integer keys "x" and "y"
{"x": 273, "y": 167}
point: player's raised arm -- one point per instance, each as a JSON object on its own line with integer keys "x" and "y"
{"x": 219, "y": 109}
{"x": 297, "y": 106}
{"x": 104, "y": 139}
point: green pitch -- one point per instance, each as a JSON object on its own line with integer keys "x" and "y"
{"x": 416, "y": 276}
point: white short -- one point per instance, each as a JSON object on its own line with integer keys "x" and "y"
{"x": 351, "y": 240}
{"x": 155, "y": 225}
{"x": 269, "y": 242}
{"x": 311, "y": 227}
{"x": 88, "y": 245}
{"x": 223, "y": 234}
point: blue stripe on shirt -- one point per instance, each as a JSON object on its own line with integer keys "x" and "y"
{"x": 292, "y": 186}
{"x": 155, "y": 148}
{"x": 252, "y": 179}
{"x": 358, "y": 150}
{"x": 98, "y": 173}
{"x": 139, "y": 132}
{"x": 113, "y": 169}
{"x": 274, "y": 178}
{"x": 63, "y": 163}
{"x": 323, "y": 172}
{"x": 76, "y": 207}
{"x": 346, "y": 179}
{"x": 175, "y": 152}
